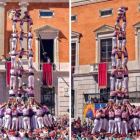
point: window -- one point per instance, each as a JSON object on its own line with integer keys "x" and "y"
{"x": 72, "y": 103}
{"x": 74, "y": 18}
{"x": 73, "y": 54}
{"x": 106, "y": 12}
{"x": 46, "y": 13}
{"x": 48, "y": 98}
{"x": 106, "y": 50}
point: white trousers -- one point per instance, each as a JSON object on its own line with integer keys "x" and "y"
{"x": 50, "y": 118}
{"x": 111, "y": 126}
{"x": 139, "y": 123}
{"x": 1, "y": 122}
{"x": 21, "y": 27}
{"x": 31, "y": 81}
{"x": 19, "y": 81}
{"x": 100, "y": 125}
{"x": 13, "y": 61}
{"x": 124, "y": 127}
{"x": 117, "y": 24}
{"x": 130, "y": 124}
{"x": 21, "y": 44}
{"x": 40, "y": 122}
{"x": 112, "y": 83}
{"x": 126, "y": 81}
{"x": 119, "y": 63}
{"x": 20, "y": 62}
{"x": 125, "y": 100}
{"x": 104, "y": 124}
{"x": 15, "y": 123}
{"x": 20, "y": 123}
{"x": 136, "y": 123}
{"x": 118, "y": 102}
{"x": 13, "y": 81}
{"x": 118, "y": 125}
{"x": 34, "y": 122}
{"x": 125, "y": 60}
{"x": 124, "y": 26}
{"x": 124, "y": 42}
{"x": 26, "y": 122}
{"x": 115, "y": 41}
{"x": 18, "y": 99}
{"x": 120, "y": 44}
{"x": 30, "y": 62}
{"x": 46, "y": 120}
{"x": 7, "y": 121}
{"x": 96, "y": 123}
{"x": 30, "y": 41}
{"x": 113, "y": 61}
{"x": 14, "y": 43}
{"x": 14, "y": 26}
{"x": 119, "y": 83}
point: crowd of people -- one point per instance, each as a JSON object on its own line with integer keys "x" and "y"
{"x": 59, "y": 130}
{"x": 83, "y": 131}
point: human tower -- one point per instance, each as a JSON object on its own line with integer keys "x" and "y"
{"x": 118, "y": 116}
{"x": 13, "y": 114}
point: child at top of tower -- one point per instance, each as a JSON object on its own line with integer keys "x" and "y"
{"x": 123, "y": 9}
{"x": 118, "y": 20}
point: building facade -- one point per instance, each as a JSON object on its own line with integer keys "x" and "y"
{"x": 93, "y": 23}
{"x": 51, "y": 22}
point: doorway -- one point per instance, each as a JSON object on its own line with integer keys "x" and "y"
{"x": 48, "y": 45}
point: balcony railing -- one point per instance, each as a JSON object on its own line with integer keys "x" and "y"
{"x": 95, "y": 67}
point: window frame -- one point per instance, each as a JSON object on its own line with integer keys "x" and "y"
{"x": 75, "y": 16}
{"x": 107, "y": 46}
{"x": 71, "y": 53}
{"x": 106, "y": 10}
{"x": 40, "y": 10}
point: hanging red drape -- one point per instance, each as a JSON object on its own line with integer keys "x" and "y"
{"x": 47, "y": 74}
{"x": 102, "y": 75}
{"x": 8, "y": 73}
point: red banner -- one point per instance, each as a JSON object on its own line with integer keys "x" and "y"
{"x": 102, "y": 75}
{"x": 47, "y": 74}
{"x": 8, "y": 73}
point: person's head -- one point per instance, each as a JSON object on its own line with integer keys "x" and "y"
{"x": 16, "y": 134}
{"x": 37, "y": 107}
{"x": 119, "y": 107}
{"x": 22, "y": 49}
{"x": 25, "y": 12}
{"x": 26, "y": 135}
{"x": 133, "y": 106}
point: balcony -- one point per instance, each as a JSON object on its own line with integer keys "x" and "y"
{"x": 133, "y": 66}
{"x": 59, "y": 67}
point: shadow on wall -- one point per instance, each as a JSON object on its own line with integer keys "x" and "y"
{"x": 61, "y": 36}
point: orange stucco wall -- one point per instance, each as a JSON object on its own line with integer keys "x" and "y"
{"x": 60, "y": 21}
{"x": 88, "y": 20}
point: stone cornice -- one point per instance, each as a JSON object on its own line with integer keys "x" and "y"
{"x": 76, "y": 3}
{"x": 50, "y": 1}
{"x": 23, "y": 3}
{"x": 3, "y": 3}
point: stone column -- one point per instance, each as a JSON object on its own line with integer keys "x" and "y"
{"x": 2, "y": 26}
{"x": 97, "y": 49}
{"x": 23, "y": 6}
{"x": 56, "y": 50}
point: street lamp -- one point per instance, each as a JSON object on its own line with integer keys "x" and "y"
{"x": 24, "y": 87}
